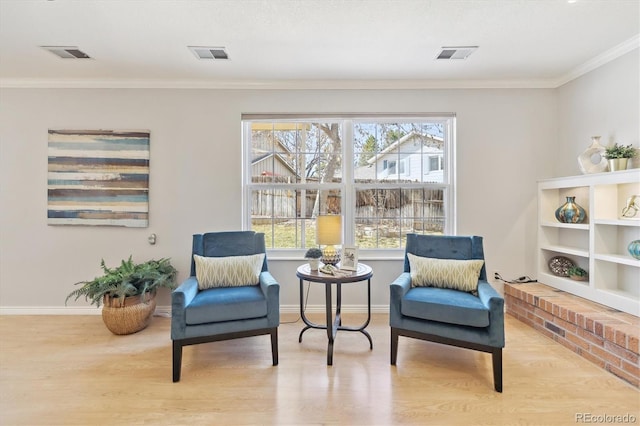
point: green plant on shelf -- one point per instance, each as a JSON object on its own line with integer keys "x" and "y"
{"x": 576, "y": 271}
{"x": 620, "y": 151}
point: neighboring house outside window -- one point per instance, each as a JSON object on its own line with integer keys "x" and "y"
{"x": 386, "y": 177}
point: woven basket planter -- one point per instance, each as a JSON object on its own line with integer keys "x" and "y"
{"x": 128, "y": 316}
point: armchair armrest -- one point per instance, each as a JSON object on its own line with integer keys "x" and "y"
{"x": 490, "y": 297}
{"x": 180, "y": 299}
{"x": 401, "y": 285}
{"x": 271, "y": 289}
{"x": 495, "y": 303}
{"x": 397, "y": 290}
{"x": 184, "y": 294}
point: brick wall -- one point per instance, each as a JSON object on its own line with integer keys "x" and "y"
{"x": 602, "y": 335}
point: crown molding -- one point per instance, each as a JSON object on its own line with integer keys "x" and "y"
{"x": 600, "y": 60}
{"x": 276, "y": 84}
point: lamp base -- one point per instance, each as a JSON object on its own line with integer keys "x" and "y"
{"x": 331, "y": 259}
{"x": 330, "y": 256}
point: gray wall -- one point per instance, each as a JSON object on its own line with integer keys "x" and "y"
{"x": 602, "y": 103}
{"x": 507, "y": 139}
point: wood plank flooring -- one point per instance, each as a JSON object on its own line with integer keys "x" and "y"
{"x": 70, "y": 370}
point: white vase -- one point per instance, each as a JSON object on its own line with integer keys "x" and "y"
{"x": 314, "y": 264}
{"x": 592, "y": 160}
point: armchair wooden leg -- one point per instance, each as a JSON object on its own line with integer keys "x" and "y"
{"x": 274, "y": 346}
{"x": 177, "y": 360}
{"x": 497, "y": 369}
{"x": 394, "y": 345}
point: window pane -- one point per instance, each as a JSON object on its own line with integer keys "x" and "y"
{"x": 396, "y": 152}
{"x": 297, "y": 172}
{"x": 287, "y": 217}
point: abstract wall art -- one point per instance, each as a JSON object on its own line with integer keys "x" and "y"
{"x": 98, "y": 177}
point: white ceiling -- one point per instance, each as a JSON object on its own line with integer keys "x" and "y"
{"x": 312, "y": 43}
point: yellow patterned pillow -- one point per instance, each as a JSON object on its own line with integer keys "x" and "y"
{"x": 445, "y": 273}
{"x": 230, "y": 271}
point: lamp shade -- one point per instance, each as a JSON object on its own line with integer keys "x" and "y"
{"x": 329, "y": 229}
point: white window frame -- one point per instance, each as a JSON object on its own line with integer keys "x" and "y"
{"x": 347, "y": 186}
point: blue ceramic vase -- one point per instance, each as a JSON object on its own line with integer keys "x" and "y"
{"x": 570, "y": 212}
{"x": 634, "y": 249}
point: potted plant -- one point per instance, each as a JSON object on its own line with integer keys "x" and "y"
{"x": 128, "y": 292}
{"x": 313, "y": 255}
{"x": 577, "y": 273}
{"x": 619, "y": 155}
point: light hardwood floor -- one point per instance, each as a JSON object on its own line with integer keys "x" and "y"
{"x": 70, "y": 370}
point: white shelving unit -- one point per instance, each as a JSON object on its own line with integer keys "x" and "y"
{"x": 599, "y": 244}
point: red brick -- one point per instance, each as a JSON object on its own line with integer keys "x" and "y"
{"x": 633, "y": 369}
{"x": 606, "y": 356}
{"x": 572, "y": 317}
{"x": 589, "y": 324}
{"x": 621, "y": 352}
{"x": 544, "y": 314}
{"x": 624, "y": 375}
{"x": 580, "y": 320}
{"x": 566, "y": 343}
{"x": 632, "y": 344}
{"x": 594, "y": 359}
{"x": 610, "y": 333}
{"x": 564, "y": 324}
{"x": 592, "y": 338}
{"x": 621, "y": 339}
{"x": 598, "y": 328}
{"x": 577, "y": 340}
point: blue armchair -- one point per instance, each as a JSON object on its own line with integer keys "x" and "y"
{"x": 445, "y": 315}
{"x": 224, "y": 312}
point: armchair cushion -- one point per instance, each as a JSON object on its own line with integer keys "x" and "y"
{"x": 445, "y": 273}
{"x": 228, "y": 271}
{"x": 445, "y": 306}
{"x": 226, "y": 304}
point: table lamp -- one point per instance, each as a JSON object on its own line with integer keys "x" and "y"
{"x": 329, "y": 233}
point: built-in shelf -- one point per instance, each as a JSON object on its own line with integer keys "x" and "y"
{"x": 598, "y": 245}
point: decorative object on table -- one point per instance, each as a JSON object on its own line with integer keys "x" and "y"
{"x": 128, "y": 293}
{"x": 349, "y": 258}
{"x": 634, "y": 249}
{"x": 619, "y": 155}
{"x": 592, "y": 160}
{"x": 576, "y": 273}
{"x": 570, "y": 212}
{"x": 631, "y": 207}
{"x": 328, "y": 234}
{"x": 98, "y": 177}
{"x": 313, "y": 255}
{"x": 560, "y": 265}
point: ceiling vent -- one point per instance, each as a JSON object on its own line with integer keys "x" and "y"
{"x": 217, "y": 53}
{"x": 456, "y": 52}
{"x": 67, "y": 52}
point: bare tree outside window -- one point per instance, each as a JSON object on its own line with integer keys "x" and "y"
{"x": 297, "y": 170}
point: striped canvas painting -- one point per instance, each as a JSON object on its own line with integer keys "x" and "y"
{"x": 98, "y": 177}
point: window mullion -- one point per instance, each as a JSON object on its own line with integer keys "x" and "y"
{"x": 348, "y": 190}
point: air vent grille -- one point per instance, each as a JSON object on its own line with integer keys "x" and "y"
{"x": 67, "y": 52}
{"x": 456, "y": 52}
{"x": 211, "y": 53}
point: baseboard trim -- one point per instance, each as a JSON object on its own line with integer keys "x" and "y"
{"x": 165, "y": 311}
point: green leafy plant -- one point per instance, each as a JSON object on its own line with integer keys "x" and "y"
{"x": 313, "y": 253}
{"x": 576, "y": 271}
{"x": 128, "y": 279}
{"x": 620, "y": 151}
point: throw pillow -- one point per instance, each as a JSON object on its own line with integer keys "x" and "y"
{"x": 230, "y": 271}
{"x": 445, "y": 273}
